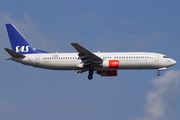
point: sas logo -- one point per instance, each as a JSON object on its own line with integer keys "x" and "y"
{"x": 22, "y": 49}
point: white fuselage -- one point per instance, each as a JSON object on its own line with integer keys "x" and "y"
{"x": 105, "y": 63}
{"x": 70, "y": 61}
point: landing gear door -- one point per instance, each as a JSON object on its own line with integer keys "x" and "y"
{"x": 156, "y": 57}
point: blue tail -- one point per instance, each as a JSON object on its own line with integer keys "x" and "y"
{"x": 19, "y": 43}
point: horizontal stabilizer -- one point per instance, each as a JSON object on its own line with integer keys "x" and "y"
{"x": 9, "y": 59}
{"x": 14, "y": 54}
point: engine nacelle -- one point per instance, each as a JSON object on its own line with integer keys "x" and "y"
{"x": 111, "y": 64}
{"x": 107, "y": 73}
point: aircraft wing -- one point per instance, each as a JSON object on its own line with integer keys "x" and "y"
{"x": 87, "y": 57}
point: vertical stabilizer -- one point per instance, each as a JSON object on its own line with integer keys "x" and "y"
{"x": 18, "y": 42}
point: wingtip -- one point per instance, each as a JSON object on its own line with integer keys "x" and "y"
{"x": 72, "y": 43}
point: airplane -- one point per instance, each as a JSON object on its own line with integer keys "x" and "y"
{"x": 104, "y": 63}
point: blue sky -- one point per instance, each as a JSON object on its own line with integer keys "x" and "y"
{"x": 28, "y": 93}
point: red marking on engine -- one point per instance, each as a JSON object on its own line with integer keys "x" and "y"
{"x": 113, "y": 64}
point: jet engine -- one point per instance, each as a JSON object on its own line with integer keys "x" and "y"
{"x": 110, "y": 64}
{"x": 107, "y": 73}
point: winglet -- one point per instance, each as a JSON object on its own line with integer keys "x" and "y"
{"x": 14, "y": 54}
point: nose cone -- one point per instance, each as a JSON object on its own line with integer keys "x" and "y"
{"x": 173, "y": 62}
{"x": 170, "y": 62}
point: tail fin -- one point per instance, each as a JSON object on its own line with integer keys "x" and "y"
{"x": 19, "y": 43}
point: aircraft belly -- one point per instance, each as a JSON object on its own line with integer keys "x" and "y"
{"x": 157, "y": 65}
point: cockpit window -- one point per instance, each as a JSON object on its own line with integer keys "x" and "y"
{"x": 165, "y": 56}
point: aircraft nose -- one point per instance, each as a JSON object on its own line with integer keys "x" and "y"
{"x": 173, "y": 62}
